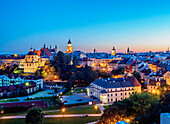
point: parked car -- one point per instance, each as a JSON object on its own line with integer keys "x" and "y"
{"x": 65, "y": 101}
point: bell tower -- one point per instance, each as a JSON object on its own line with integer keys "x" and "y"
{"x": 113, "y": 51}
{"x": 69, "y": 47}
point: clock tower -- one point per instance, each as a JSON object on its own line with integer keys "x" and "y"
{"x": 69, "y": 47}
{"x": 113, "y": 51}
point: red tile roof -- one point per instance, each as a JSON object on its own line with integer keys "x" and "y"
{"x": 134, "y": 81}
{"x": 38, "y": 52}
{"x": 47, "y": 51}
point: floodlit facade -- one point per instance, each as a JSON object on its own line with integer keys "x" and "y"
{"x": 69, "y": 47}
{"x": 113, "y": 89}
{"x": 31, "y": 62}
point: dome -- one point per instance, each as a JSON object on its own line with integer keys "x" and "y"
{"x": 31, "y": 53}
{"x": 69, "y": 42}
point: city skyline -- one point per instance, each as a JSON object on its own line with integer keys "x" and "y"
{"x": 141, "y": 25}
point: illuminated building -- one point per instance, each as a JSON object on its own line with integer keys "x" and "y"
{"x": 69, "y": 47}
{"x": 110, "y": 90}
{"x": 113, "y": 51}
{"x": 31, "y": 62}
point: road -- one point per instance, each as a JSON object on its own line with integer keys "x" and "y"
{"x": 44, "y": 93}
{"x": 53, "y": 116}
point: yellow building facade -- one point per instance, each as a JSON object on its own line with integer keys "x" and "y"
{"x": 113, "y": 51}
{"x": 69, "y": 47}
{"x": 31, "y": 62}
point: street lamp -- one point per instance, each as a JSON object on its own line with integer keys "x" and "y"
{"x": 127, "y": 120}
{"x": 63, "y": 110}
{"x": 96, "y": 107}
{"x": 2, "y": 112}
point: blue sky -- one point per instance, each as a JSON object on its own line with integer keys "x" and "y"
{"x": 142, "y": 25}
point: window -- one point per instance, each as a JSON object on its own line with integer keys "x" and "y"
{"x": 108, "y": 100}
{"x": 129, "y": 93}
{"x": 151, "y": 87}
{"x": 111, "y": 94}
{"x": 121, "y": 98}
{"x": 91, "y": 92}
{"x": 121, "y": 94}
{"x": 116, "y": 99}
{"x": 108, "y": 95}
{"x": 116, "y": 94}
{"x": 125, "y": 93}
{"x": 111, "y": 99}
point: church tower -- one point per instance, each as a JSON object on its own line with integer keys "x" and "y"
{"x": 56, "y": 50}
{"x": 128, "y": 50}
{"x": 69, "y": 47}
{"x": 113, "y": 51}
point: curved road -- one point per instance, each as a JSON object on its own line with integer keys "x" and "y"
{"x": 54, "y": 116}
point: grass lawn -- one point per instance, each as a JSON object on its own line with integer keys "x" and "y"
{"x": 73, "y": 120}
{"x": 19, "y": 71}
{"x": 106, "y": 106}
{"x": 83, "y": 110}
{"x": 81, "y": 90}
{"x": 58, "y": 100}
{"x": 67, "y": 93}
{"x": 8, "y": 100}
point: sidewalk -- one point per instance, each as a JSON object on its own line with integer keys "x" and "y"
{"x": 101, "y": 108}
{"x": 53, "y": 116}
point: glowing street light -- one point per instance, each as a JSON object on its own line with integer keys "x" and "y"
{"x": 154, "y": 91}
{"x": 2, "y": 112}
{"x": 127, "y": 120}
{"x": 96, "y": 107}
{"x": 63, "y": 110}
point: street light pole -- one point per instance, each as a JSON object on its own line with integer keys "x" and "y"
{"x": 63, "y": 110}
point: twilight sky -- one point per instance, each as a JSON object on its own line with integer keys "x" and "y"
{"x": 143, "y": 25}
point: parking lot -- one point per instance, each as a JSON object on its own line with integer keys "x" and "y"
{"x": 78, "y": 98}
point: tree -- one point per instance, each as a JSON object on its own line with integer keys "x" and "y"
{"x": 75, "y": 60}
{"x": 34, "y": 116}
{"x": 118, "y": 71}
{"x": 152, "y": 115}
{"x": 142, "y": 101}
{"x": 137, "y": 76}
{"x": 3, "y": 66}
{"x": 37, "y": 73}
{"x": 67, "y": 59}
{"x": 79, "y": 76}
{"x": 136, "y": 105}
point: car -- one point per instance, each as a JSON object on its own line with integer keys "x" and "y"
{"x": 65, "y": 101}
{"x": 61, "y": 97}
{"x": 79, "y": 100}
{"x": 92, "y": 97}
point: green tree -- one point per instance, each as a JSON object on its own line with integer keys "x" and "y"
{"x": 34, "y": 116}
{"x": 152, "y": 115}
{"x": 3, "y": 66}
{"x": 137, "y": 76}
{"x": 72, "y": 80}
{"x": 37, "y": 73}
{"x": 118, "y": 71}
{"x": 142, "y": 101}
{"x": 136, "y": 105}
{"x": 75, "y": 60}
